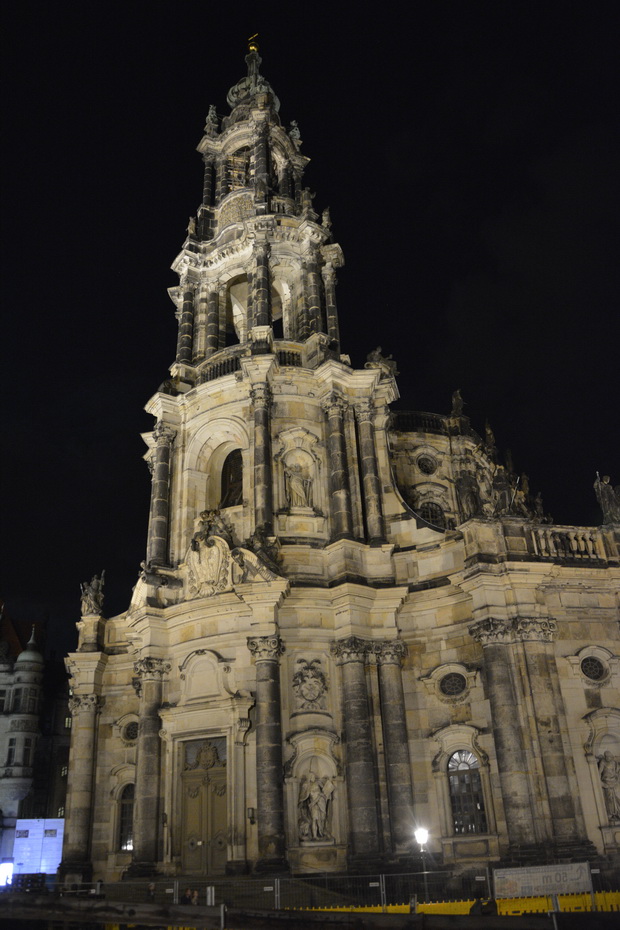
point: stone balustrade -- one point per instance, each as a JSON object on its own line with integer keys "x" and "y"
{"x": 567, "y": 542}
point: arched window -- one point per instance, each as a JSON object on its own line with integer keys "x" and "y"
{"x": 125, "y": 820}
{"x": 232, "y": 480}
{"x": 466, "y": 797}
{"x": 433, "y": 513}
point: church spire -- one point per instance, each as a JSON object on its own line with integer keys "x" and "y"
{"x": 258, "y": 266}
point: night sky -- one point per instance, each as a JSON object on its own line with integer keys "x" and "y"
{"x": 469, "y": 155}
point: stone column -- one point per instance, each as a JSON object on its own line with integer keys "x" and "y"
{"x": 335, "y": 406}
{"x": 350, "y": 654}
{"x": 371, "y": 484}
{"x": 200, "y": 327}
{"x": 149, "y": 674}
{"x": 313, "y": 282}
{"x": 263, "y": 481}
{"x": 207, "y": 181}
{"x": 213, "y": 323}
{"x": 497, "y": 639}
{"x": 221, "y": 181}
{"x": 303, "y": 318}
{"x": 76, "y": 852}
{"x": 542, "y": 675}
{"x": 261, "y": 164}
{"x": 331, "y": 312}
{"x": 389, "y": 656}
{"x": 269, "y": 772}
{"x": 157, "y": 542}
{"x": 262, "y": 285}
{"x": 185, "y": 342}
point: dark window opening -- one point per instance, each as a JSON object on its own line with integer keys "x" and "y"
{"x": 232, "y": 480}
{"x": 433, "y": 514}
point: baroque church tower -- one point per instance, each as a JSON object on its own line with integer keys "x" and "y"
{"x": 347, "y": 620}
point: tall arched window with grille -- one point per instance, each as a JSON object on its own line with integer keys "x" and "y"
{"x": 232, "y": 480}
{"x": 466, "y": 797}
{"x": 125, "y": 819}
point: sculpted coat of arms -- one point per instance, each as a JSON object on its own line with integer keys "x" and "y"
{"x": 310, "y": 685}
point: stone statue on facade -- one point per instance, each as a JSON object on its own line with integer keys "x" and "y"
{"x": 609, "y": 773}
{"x": 212, "y": 122}
{"x": 92, "y": 596}
{"x": 298, "y": 488}
{"x": 266, "y": 547}
{"x": 490, "y": 446}
{"x": 502, "y": 492}
{"x": 315, "y": 795}
{"x": 385, "y": 364}
{"x": 468, "y": 494}
{"x": 294, "y": 132}
{"x": 457, "y": 404}
{"x": 608, "y": 499}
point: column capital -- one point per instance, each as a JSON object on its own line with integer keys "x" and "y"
{"x": 492, "y": 630}
{"x": 389, "y": 652}
{"x": 260, "y": 395}
{"x": 351, "y": 649}
{"x": 364, "y": 410}
{"x": 265, "y": 648}
{"x": 334, "y": 401}
{"x": 163, "y": 434}
{"x": 187, "y": 284}
{"x": 151, "y": 668}
{"x": 83, "y": 702}
{"x": 535, "y": 629}
{"x": 518, "y": 629}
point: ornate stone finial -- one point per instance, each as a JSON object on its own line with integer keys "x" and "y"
{"x": 608, "y": 499}
{"x": 351, "y": 649}
{"x": 253, "y": 43}
{"x": 92, "y": 596}
{"x": 265, "y": 648}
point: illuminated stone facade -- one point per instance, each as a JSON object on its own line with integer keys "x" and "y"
{"x": 350, "y": 622}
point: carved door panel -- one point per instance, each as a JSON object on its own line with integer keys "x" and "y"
{"x": 203, "y": 821}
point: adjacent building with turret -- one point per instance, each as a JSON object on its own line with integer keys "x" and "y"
{"x": 350, "y": 622}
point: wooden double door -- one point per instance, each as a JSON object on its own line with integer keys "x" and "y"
{"x": 204, "y": 823}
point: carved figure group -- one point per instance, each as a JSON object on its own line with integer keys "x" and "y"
{"x": 315, "y": 795}
{"x": 386, "y": 364}
{"x": 608, "y": 499}
{"x": 609, "y": 773}
{"x": 92, "y": 595}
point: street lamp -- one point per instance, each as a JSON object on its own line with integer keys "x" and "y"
{"x": 421, "y": 838}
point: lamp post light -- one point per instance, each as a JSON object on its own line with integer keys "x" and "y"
{"x": 421, "y": 837}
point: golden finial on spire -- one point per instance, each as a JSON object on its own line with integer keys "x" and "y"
{"x": 252, "y": 43}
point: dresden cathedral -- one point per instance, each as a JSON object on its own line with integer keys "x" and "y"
{"x": 350, "y": 621}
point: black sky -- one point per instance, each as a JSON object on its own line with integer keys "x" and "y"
{"x": 469, "y": 155}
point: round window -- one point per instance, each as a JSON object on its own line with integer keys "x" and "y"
{"x": 593, "y": 668}
{"x": 130, "y": 733}
{"x": 427, "y": 464}
{"x": 452, "y": 684}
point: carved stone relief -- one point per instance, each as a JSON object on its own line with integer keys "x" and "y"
{"x": 310, "y": 685}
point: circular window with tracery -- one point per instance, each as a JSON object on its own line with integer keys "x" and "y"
{"x": 593, "y": 668}
{"x": 427, "y": 464}
{"x": 130, "y": 733}
{"x": 453, "y": 684}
